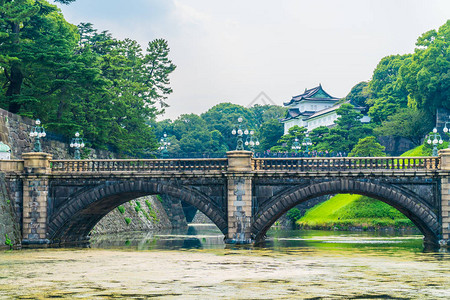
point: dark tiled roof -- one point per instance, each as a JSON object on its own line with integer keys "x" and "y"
{"x": 294, "y": 113}
{"x": 310, "y": 95}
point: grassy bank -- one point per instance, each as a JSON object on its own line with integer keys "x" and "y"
{"x": 346, "y": 211}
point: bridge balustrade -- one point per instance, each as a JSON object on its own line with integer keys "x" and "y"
{"x": 346, "y": 163}
{"x": 138, "y": 165}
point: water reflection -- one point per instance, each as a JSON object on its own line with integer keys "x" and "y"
{"x": 195, "y": 236}
{"x": 340, "y": 240}
{"x": 205, "y": 236}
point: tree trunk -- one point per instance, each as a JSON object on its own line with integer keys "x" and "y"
{"x": 14, "y": 88}
{"x": 16, "y": 76}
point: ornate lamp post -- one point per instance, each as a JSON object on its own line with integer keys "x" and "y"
{"x": 240, "y": 133}
{"x": 163, "y": 148}
{"x": 307, "y": 142}
{"x": 37, "y": 132}
{"x": 77, "y": 143}
{"x": 296, "y": 146}
{"x": 252, "y": 141}
{"x": 434, "y": 138}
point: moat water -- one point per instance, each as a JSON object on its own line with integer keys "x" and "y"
{"x": 196, "y": 264}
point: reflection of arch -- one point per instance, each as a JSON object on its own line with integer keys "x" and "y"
{"x": 411, "y": 206}
{"x": 76, "y": 218}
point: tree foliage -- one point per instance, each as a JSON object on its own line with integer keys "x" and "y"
{"x": 387, "y": 95}
{"x": 78, "y": 79}
{"x": 368, "y": 147}
{"x": 426, "y": 76}
{"x": 409, "y": 123}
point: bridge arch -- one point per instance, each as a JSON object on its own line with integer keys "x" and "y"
{"x": 421, "y": 214}
{"x": 75, "y": 219}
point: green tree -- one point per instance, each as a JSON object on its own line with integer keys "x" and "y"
{"x": 286, "y": 141}
{"x": 359, "y": 94}
{"x": 36, "y": 46}
{"x": 348, "y": 130}
{"x": 270, "y": 132}
{"x": 81, "y": 79}
{"x": 317, "y": 138}
{"x": 387, "y": 95}
{"x": 409, "y": 123}
{"x": 264, "y": 113}
{"x": 194, "y": 135}
{"x": 224, "y": 117}
{"x": 367, "y": 147}
{"x": 426, "y": 76}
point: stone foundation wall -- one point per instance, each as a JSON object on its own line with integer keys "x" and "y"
{"x": 14, "y": 132}
{"x": 142, "y": 214}
{"x": 9, "y": 228}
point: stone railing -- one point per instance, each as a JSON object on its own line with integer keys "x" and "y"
{"x": 138, "y": 165}
{"x": 346, "y": 163}
{"x": 11, "y": 165}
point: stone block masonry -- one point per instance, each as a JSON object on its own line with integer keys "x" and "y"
{"x": 9, "y": 227}
{"x": 14, "y": 131}
{"x": 239, "y": 194}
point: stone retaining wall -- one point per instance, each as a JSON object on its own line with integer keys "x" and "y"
{"x": 14, "y": 132}
{"x": 9, "y": 229}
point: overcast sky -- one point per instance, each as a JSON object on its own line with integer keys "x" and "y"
{"x": 231, "y": 51}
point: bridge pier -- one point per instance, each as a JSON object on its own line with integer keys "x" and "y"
{"x": 239, "y": 197}
{"x": 35, "y": 195}
{"x": 445, "y": 196}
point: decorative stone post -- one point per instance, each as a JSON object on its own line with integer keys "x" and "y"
{"x": 445, "y": 196}
{"x": 239, "y": 197}
{"x": 35, "y": 193}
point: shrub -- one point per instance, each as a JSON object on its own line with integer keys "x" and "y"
{"x": 8, "y": 242}
{"x": 159, "y": 198}
{"x": 294, "y": 214}
{"x": 121, "y": 209}
{"x": 127, "y": 220}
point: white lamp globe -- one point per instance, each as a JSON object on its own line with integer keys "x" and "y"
{"x": 245, "y": 131}
{"x": 233, "y": 132}
{"x": 239, "y": 131}
{"x": 240, "y": 120}
{"x": 38, "y": 122}
{"x": 434, "y": 130}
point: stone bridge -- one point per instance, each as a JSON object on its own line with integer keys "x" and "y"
{"x": 60, "y": 201}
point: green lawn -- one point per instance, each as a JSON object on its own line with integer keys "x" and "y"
{"x": 350, "y": 210}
